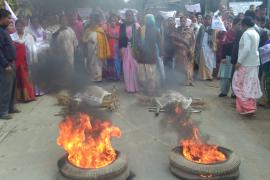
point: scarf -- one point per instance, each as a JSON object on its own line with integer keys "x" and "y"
{"x": 103, "y": 48}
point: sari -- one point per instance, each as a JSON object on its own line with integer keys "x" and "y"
{"x": 205, "y": 52}
{"x": 149, "y": 43}
{"x": 97, "y": 51}
{"x": 130, "y": 66}
{"x": 113, "y": 70}
{"x": 24, "y": 89}
{"x": 246, "y": 86}
{"x": 184, "y": 41}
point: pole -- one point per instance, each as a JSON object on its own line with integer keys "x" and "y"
{"x": 268, "y": 9}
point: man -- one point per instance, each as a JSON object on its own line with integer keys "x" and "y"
{"x": 184, "y": 41}
{"x": 195, "y": 25}
{"x": 205, "y": 50}
{"x": 200, "y": 19}
{"x": 252, "y": 7}
{"x": 260, "y": 31}
{"x": 7, "y": 70}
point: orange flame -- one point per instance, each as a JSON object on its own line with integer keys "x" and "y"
{"x": 88, "y": 145}
{"x": 178, "y": 109}
{"x": 195, "y": 150}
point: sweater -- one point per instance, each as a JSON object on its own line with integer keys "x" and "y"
{"x": 248, "y": 54}
{"x": 7, "y": 48}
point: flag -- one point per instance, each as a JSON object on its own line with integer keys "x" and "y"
{"x": 7, "y": 7}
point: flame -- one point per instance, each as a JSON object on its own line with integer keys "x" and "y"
{"x": 178, "y": 109}
{"x": 88, "y": 144}
{"x": 195, "y": 150}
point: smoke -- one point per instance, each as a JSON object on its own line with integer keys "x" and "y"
{"x": 54, "y": 73}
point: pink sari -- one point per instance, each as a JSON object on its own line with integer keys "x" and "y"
{"x": 130, "y": 66}
{"x": 246, "y": 86}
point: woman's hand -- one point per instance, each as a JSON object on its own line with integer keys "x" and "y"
{"x": 9, "y": 69}
{"x": 237, "y": 66}
{"x": 223, "y": 61}
{"x": 121, "y": 54}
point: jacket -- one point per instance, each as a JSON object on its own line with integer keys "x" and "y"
{"x": 248, "y": 54}
{"x": 7, "y": 48}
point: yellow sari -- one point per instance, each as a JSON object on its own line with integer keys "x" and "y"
{"x": 103, "y": 48}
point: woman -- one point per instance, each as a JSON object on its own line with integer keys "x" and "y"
{"x": 97, "y": 48}
{"x": 149, "y": 46}
{"x": 113, "y": 63}
{"x": 246, "y": 84}
{"x": 35, "y": 29}
{"x": 205, "y": 50}
{"x": 64, "y": 43}
{"x": 37, "y": 32}
{"x": 226, "y": 66}
{"x": 128, "y": 51}
{"x": 23, "y": 43}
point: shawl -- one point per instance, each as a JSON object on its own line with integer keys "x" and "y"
{"x": 211, "y": 41}
{"x": 103, "y": 48}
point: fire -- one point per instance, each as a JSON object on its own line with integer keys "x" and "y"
{"x": 195, "y": 150}
{"x": 178, "y": 109}
{"x": 88, "y": 144}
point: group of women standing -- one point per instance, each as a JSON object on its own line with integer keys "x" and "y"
{"x": 114, "y": 48}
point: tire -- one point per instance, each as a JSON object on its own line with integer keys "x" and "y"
{"x": 231, "y": 165}
{"x": 118, "y": 170}
{"x": 187, "y": 176}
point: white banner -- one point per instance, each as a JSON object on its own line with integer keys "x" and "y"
{"x": 167, "y": 14}
{"x": 265, "y": 53}
{"x": 242, "y": 7}
{"x": 193, "y": 8}
{"x": 217, "y": 24}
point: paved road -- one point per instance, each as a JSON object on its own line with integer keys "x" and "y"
{"x": 28, "y": 149}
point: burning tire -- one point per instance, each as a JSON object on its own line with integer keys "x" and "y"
{"x": 118, "y": 170}
{"x": 189, "y": 170}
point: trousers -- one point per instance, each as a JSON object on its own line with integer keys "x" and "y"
{"x": 7, "y": 91}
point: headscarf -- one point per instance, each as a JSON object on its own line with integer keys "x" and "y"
{"x": 150, "y": 22}
{"x": 103, "y": 48}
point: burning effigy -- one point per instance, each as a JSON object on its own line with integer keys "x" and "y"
{"x": 99, "y": 97}
{"x": 175, "y": 102}
{"x": 89, "y": 152}
{"x": 91, "y": 97}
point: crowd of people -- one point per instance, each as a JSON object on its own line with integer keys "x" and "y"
{"x": 110, "y": 47}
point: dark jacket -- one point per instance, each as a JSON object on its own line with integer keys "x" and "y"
{"x": 7, "y": 48}
{"x": 235, "y": 48}
{"x": 123, "y": 39}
